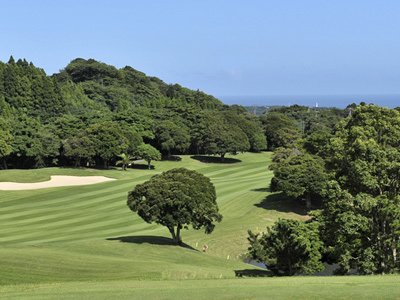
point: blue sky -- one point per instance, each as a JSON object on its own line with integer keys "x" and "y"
{"x": 224, "y": 48}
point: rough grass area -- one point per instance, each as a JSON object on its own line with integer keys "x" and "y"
{"x": 84, "y": 242}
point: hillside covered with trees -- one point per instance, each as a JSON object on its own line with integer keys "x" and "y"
{"x": 91, "y": 113}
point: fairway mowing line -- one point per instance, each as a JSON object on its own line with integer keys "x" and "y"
{"x": 65, "y": 222}
{"x": 66, "y": 218}
{"x": 104, "y": 234}
{"x": 66, "y": 225}
{"x": 223, "y": 170}
{"x": 247, "y": 168}
{"x": 28, "y": 203}
{"x": 246, "y": 185}
{"x": 252, "y": 173}
{"x": 231, "y": 182}
{"x": 68, "y": 201}
{"x": 58, "y": 210}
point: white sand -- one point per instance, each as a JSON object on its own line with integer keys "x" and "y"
{"x": 55, "y": 181}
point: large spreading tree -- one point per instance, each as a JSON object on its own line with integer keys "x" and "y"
{"x": 221, "y": 137}
{"x": 176, "y": 199}
{"x": 172, "y": 137}
{"x": 299, "y": 175}
{"x": 148, "y": 153}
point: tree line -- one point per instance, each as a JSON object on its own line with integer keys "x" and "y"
{"x": 93, "y": 114}
{"x": 349, "y": 178}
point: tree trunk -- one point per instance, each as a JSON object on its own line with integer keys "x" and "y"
{"x": 222, "y": 157}
{"x": 77, "y": 162}
{"x": 148, "y": 163}
{"x": 5, "y": 164}
{"x": 308, "y": 201}
{"x": 172, "y": 231}
{"x": 176, "y": 236}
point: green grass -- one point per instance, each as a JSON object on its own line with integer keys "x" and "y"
{"x": 84, "y": 242}
{"x": 354, "y": 287}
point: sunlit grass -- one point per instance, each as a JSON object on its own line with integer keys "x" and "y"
{"x": 67, "y": 242}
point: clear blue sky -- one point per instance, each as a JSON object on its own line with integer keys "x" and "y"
{"x": 223, "y": 48}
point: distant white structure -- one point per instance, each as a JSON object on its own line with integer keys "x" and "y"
{"x": 316, "y": 104}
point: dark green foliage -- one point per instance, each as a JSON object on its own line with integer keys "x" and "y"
{"x": 280, "y": 130}
{"x": 171, "y": 137}
{"x": 26, "y": 145}
{"x": 290, "y": 247}
{"x": 299, "y": 175}
{"x": 125, "y": 88}
{"x": 124, "y": 161}
{"x": 50, "y": 147}
{"x": 176, "y": 199}
{"x": 316, "y": 143}
{"x": 221, "y": 137}
{"x": 249, "y": 125}
{"x": 24, "y": 86}
{"x": 79, "y": 147}
{"x": 6, "y": 140}
{"x": 148, "y": 153}
{"x": 309, "y": 119}
{"x": 108, "y": 141}
{"x": 361, "y": 214}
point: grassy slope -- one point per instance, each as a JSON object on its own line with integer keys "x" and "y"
{"x": 59, "y": 239}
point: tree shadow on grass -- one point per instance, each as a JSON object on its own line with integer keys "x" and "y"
{"x": 215, "y": 159}
{"x": 265, "y": 190}
{"x": 253, "y": 273}
{"x": 141, "y": 167}
{"x": 149, "y": 239}
{"x": 280, "y": 202}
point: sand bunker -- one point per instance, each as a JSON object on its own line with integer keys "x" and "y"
{"x": 55, "y": 181}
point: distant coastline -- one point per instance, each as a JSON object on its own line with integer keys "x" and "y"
{"x": 339, "y": 101}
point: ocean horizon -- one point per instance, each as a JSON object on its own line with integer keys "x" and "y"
{"x": 339, "y": 101}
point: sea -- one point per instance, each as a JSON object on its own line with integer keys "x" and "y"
{"x": 338, "y": 101}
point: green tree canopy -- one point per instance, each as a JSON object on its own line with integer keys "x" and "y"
{"x": 108, "y": 140}
{"x": 289, "y": 246}
{"x": 172, "y": 137}
{"x": 148, "y": 153}
{"x": 79, "y": 147}
{"x": 176, "y": 199}
{"x": 361, "y": 213}
{"x": 221, "y": 137}
{"x": 280, "y": 130}
{"x": 125, "y": 160}
{"x": 300, "y": 175}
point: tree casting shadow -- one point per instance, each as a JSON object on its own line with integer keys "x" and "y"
{"x": 282, "y": 203}
{"x": 148, "y": 239}
{"x": 253, "y": 273}
{"x": 215, "y": 159}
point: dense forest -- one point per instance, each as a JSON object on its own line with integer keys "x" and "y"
{"x": 92, "y": 114}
